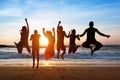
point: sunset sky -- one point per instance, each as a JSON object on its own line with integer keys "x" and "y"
{"x": 72, "y": 13}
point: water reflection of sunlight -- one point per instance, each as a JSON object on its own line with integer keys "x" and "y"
{"x": 46, "y": 63}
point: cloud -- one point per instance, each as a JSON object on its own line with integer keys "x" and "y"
{"x": 11, "y": 12}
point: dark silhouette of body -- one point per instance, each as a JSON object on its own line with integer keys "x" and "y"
{"x": 60, "y": 40}
{"x": 35, "y": 47}
{"x": 91, "y": 38}
{"x": 49, "y": 52}
{"x": 72, "y": 45}
{"x": 24, "y": 39}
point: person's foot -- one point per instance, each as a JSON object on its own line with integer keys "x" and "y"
{"x": 58, "y": 56}
{"x": 18, "y": 48}
{"x": 92, "y": 51}
{"x": 33, "y": 65}
{"x": 29, "y": 52}
{"x": 37, "y": 65}
{"x": 62, "y": 56}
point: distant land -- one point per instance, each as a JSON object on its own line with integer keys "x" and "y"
{"x": 1, "y": 46}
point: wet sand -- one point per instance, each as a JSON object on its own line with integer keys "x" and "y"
{"x": 60, "y": 73}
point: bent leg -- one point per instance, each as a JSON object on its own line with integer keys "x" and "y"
{"x": 75, "y": 49}
{"x": 98, "y": 46}
{"x": 19, "y": 47}
{"x": 64, "y": 50}
{"x": 86, "y": 44}
{"x": 28, "y": 48}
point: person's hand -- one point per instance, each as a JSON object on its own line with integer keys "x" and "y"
{"x": 69, "y": 33}
{"x": 53, "y": 29}
{"x": 108, "y": 36}
{"x": 43, "y": 29}
{"x": 79, "y": 35}
{"x": 59, "y": 22}
{"x": 25, "y": 19}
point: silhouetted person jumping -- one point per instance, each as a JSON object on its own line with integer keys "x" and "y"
{"x": 24, "y": 38}
{"x": 72, "y": 45}
{"x": 60, "y": 40}
{"x": 35, "y": 47}
{"x": 49, "y": 52}
{"x": 91, "y": 38}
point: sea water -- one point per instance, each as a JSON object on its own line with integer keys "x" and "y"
{"x": 108, "y": 55}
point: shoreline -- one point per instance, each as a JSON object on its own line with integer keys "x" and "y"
{"x": 58, "y": 63}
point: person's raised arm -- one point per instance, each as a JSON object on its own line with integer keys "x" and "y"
{"x": 83, "y": 33}
{"x": 27, "y": 24}
{"x": 44, "y": 31}
{"x": 31, "y": 37}
{"x": 53, "y": 31}
{"x": 67, "y": 36}
{"x": 58, "y": 25}
{"x": 102, "y": 34}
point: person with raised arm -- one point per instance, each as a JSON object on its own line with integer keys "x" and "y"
{"x": 60, "y": 40}
{"x": 24, "y": 32}
{"x": 91, "y": 38}
{"x": 49, "y": 52}
{"x": 72, "y": 45}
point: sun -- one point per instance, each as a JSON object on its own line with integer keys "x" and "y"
{"x": 43, "y": 41}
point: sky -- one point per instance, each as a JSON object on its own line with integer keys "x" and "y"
{"x": 74, "y": 14}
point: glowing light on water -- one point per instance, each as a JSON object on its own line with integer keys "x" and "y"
{"x": 46, "y": 63}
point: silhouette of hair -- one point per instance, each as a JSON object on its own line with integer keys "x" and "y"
{"x": 91, "y": 23}
{"x": 48, "y": 33}
{"x": 24, "y": 28}
{"x": 73, "y": 31}
{"x": 35, "y": 32}
{"x": 61, "y": 28}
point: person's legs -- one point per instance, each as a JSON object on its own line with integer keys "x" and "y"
{"x": 28, "y": 48}
{"x": 19, "y": 47}
{"x": 70, "y": 49}
{"x": 33, "y": 56}
{"x": 58, "y": 51}
{"x": 86, "y": 44}
{"x": 98, "y": 46}
{"x": 75, "y": 48}
{"x": 64, "y": 50}
{"x": 37, "y": 58}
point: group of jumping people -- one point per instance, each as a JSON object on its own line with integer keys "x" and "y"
{"x": 61, "y": 34}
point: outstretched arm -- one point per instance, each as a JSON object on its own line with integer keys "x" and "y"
{"x": 27, "y": 24}
{"x": 83, "y": 33}
{"x": 102, "y": 34}
{"x": 77, "y": 36}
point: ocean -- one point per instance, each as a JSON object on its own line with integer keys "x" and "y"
{"x": 108, "y": 55}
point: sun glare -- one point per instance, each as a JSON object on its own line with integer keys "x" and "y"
{"x": 44, "y": 41}
{"x": 46, "y": 63}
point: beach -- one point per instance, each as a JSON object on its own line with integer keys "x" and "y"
{"x": 60, "y": 73}
{"x": 103, "y": 65}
